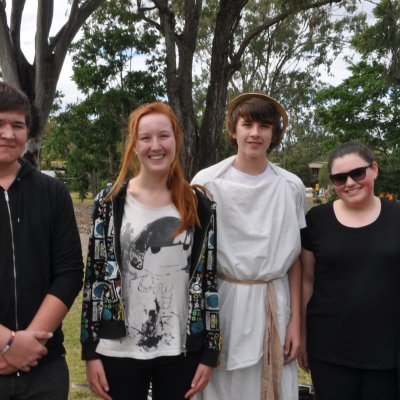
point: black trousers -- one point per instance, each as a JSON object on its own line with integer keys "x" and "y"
{"x": 336, "y": 382}
{"x": 170, "y": 377}
{"x": 47, "y": 382}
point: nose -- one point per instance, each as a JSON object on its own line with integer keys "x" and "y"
{"x": 155, "y": 143}
{"x": 255, "y": 129}
{"x": 352, "y": 181}
{"x": 6, "y": 131}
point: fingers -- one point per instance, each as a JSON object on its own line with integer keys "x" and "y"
{"x": 200, "y": 380}
{"x": 42, "y": 335}
{"x": 291, "y": 346}
{"x": 25, "y": 368}
{"x": 97, "y": 379}
{"x": 286, "y": 348}
{"x": 101, "y": 388}
{"x": 27, "y": 349}
{"x": 303, "y": 361}
{"x": 100, "y": 392}
{"x": 290, "y": 357}
{"x": 5, "y": 367}
{"x": 291, "y": 353}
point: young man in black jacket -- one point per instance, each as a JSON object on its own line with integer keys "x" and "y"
{"x": 40, "y": 264}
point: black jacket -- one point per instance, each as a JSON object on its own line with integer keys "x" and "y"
{"x": 40, "y": 250}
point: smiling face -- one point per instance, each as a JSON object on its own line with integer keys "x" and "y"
{"x": 253, "y": 138}
{"x": 155, "y": 145}
{"x": 13, "y": 135}
{"x": 355, "y": 192}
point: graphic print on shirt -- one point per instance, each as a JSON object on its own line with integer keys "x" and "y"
{"x": 156, "y": 276}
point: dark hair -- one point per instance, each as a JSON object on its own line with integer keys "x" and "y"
{"x": 256, "y": 110}
{"x": 13, "y": 99}
{"x": 352, "y": 147}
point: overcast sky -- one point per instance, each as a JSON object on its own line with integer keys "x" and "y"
{"x": 66, "y": 85}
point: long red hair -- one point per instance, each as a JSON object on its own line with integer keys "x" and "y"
{"x": 182, "y": 194}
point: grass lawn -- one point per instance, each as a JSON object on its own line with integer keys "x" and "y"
{"x": 75, "y": 198}
{"x": 71, "y": 328}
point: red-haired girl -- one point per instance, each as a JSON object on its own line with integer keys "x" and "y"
{"x": 150, "y": 303}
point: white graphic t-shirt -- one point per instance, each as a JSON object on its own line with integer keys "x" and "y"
{"x": 155, "y": 279}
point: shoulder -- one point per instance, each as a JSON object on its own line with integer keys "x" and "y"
{"x": 44, "y": 184}
{"x": 204, "y": 198}
{"x": 319, "y": 211}
{"x": 318, "y": 219}
{"x": 207, "y": 174}
{"x": 391, "y": 207}
{"x": 101, "y": 196}
{"x": 293, "y": 179}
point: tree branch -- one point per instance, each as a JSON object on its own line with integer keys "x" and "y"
{"x": 8, "y": 62}
{"x": 43, "y": 23}
{"x": 65, "y": 36}
{"x": 272, "y": 21}
{"x": 141, "y": 12}
{"x": 15, "y": 22}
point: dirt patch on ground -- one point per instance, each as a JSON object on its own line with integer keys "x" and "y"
{"x": 83, "y": 215}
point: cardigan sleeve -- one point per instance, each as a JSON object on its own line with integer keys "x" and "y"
{"x": 93, "y": 282}
{"x": 213, "y": 341}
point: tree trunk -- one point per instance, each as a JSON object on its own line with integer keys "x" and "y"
{"x": 179, "y": 72}
{"x": 209, "y": 140}
{"x": 201, "y": 144}
{"x": 39, "y": 81}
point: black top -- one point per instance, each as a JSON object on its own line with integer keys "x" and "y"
{"x": 353, "y": 316}
{"x": 40, "y": 251}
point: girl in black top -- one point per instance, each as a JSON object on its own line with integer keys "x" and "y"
{"x": 351, "y": 273}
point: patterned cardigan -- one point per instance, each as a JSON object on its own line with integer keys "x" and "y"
{"x": 102, "y": 306}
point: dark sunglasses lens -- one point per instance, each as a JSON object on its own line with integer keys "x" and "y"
{"x": 339, "y": 179}
{"x": 357, "y": 174}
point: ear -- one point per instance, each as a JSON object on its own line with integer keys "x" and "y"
{"x": 232, "y": 135}
{"x": 375, "y": 169}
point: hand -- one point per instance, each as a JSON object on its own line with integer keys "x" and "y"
{"x": 5, "y": 367}
{"x": 26, "y": 349}
{"x": 201, "y": 378}
{"x": 291, "y": 346}
{"x": 96, "y": 378}
{"x": 302, "y": 358}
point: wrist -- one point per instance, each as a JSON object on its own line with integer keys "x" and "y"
{"x": 8, "y": 343}
{"x": 295, "y": 316}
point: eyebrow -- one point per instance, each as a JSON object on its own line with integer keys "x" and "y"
{"x": 148, "y": 133}
{"x": 12, "y": 121}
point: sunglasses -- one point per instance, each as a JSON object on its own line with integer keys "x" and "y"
{"x": 357, "y": 174}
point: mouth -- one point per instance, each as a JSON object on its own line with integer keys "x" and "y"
{"x": 158, "y": 157}
{"x": 351, "y": 190}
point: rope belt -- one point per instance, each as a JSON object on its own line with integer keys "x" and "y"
{"x": 273, "y": 352}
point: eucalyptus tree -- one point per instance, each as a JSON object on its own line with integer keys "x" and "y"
{"x": 226, "y": 32}
{"x": 289, "y": 62}
{"x": 366, "y": 105}
{"x": 39, "y": 79}
{"x": 89, "y": 134}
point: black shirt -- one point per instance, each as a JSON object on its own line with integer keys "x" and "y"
{"x": 353, "y": 316}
